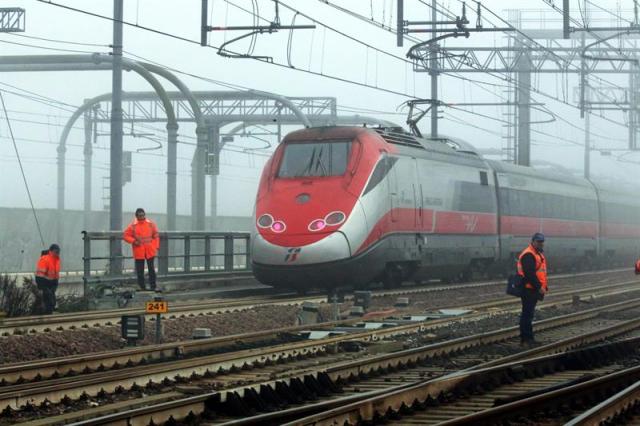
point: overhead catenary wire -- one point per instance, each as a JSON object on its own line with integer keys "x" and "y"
{"x": 263, "y": 60}
{"x": 277, "y": 64}
{"x": 24, "y": 176}
{"x": 503, "y": 77}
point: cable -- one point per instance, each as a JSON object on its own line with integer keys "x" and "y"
{"x": 53, "y": 40}
{"x": 55, "y": 49}
{"x": 476, "y": 82}
{"x": 195, "y": 42}
{"x": 274, "y": 63}
{"x": 24, "y": 176}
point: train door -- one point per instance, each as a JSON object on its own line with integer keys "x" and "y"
{"x": 394, "y": 195}
{"x": 417, "y": 195}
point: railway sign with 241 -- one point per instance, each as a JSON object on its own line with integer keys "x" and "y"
{"x": 157, "y": 307}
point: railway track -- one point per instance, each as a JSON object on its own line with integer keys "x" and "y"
{"x": 43, "y": 369}
{"x": 91, "y": 319}
{"x": 303, "y": 373}
{"x": 548, "y": 389}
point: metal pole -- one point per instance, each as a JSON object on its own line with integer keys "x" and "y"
{"x": 88, "y": 160}
{"x": 400, "y": 24}
{"x": 587, "y": 147}
{"x": 158, "y": 328}
{"x": 203, "y": 22}
{"x": 633, "y": 107}
{"x": 199, "y": 195}
{"x": 524, "y": 111}
{"x": 584, "y": 98}
{"x": 115, "y": 185}
{"x": 565, "y": 19}
{"x": 434, "y": 72}
{"x": 172, "y": 175}
{"x": 215, "y": 145}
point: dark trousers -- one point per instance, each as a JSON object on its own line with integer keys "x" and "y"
{"x": 48, "y": 296}
{"x": 529, "y": 300}
{"x": 140, "y": 273}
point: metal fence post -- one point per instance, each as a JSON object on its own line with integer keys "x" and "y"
{"x": 163, "y": 255}
{"x": 86, "y": 259}
{"x": 207, "y": 253}
{"x": 247, "y": 252}
{"x": 228, "y": 253}
{"x": 187, "y": 253}
{"x": 113, "y": 266}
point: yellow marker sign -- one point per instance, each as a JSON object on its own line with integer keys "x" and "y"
{"x": 157, "y": 307}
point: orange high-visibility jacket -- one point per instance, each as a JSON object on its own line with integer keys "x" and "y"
{"x": 144, "y": 238}
{"x": 541, "y": 266}
{"x": 48, "y": 266}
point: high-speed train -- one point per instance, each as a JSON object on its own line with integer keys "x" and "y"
{"x": 347, "y": 206}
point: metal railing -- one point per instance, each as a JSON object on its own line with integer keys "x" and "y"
{"x": 182, "y": 254}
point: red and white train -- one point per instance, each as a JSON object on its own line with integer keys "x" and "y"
{"x": 346, "y": 206}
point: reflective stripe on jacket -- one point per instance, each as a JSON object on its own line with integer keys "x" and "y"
{"x": 144, "y": 238}
{"x": 541, "y": 266}
{"x": 48, "y": 267}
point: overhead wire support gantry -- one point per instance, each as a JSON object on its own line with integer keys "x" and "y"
{"x": 253, "y": 30}
{"x": 12, "y": 19}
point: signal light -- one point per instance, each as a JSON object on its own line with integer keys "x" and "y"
{"x": 317, "y": 225}
{"x": 265, "y": 221}
{"x": 278, "y": 226}
{"x": 335, "y": 218}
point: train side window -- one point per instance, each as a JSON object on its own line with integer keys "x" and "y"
{"x": 380, "y": 172}
{"x": 484, "y": 179}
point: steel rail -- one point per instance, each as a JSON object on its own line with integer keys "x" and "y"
{"x": 84, "y": 319}
{"x": 194, "y": 406}
{"x": 610, "y": 409}
{"x": 42, "y": 369}
{"x": 399, "y": 398}
{"x": 396, "y": 360}
{"x": 554, "y": 399}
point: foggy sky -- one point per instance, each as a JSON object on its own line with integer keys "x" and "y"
{"x": 38, "y": 126}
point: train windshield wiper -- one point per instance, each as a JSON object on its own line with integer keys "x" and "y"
{"x": 307, "y": 169}
{"x": 320, "y": 164}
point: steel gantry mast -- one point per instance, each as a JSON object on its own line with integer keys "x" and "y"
{"x": 527, "y": 56}
{"x": 12, "y": 19}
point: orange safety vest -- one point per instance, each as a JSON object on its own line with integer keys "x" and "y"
{"x": 48, "y": 267}
{"x": 638, "y": 267}
{"x": 144, "y": 238}
{"x": 541, "y": 266}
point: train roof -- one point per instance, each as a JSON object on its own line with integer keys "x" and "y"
{"x": 514, "y": 169}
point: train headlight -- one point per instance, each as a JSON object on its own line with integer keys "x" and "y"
{"x": 265, "y": 221}
{"x": 317, "y": 225}
{"x": 278, "y": 226}
{"x": 334, "y": 218}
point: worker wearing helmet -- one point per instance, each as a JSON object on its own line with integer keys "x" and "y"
{"x": 532, "y": 266}
{"x": 47, "y": 276}
{"x": 143, "y": 236}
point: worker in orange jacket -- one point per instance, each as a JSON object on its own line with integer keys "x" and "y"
{"x": 532, "y": 267}
{"x": 47, "y": 276}
{"x": 143, "y": 236}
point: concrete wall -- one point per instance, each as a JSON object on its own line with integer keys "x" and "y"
{"x": 20, "y": 244}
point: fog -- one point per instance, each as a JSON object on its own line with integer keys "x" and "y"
{"x": 39, "y": 103}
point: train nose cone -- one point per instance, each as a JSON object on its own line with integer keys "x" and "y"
{"x": 331, "y": 248}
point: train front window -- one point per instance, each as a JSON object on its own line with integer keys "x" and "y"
{"x": 315, "y": 159}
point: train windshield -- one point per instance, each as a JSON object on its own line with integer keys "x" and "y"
{"x": 315, "y": 159}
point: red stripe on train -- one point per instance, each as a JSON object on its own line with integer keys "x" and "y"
{"x": 475, "y": 223}
{"x": 434, "y": 222}
{"x": 526, "y": 226}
